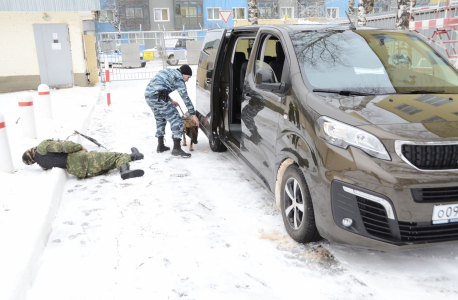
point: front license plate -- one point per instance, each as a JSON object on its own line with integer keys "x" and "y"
{"x": 443, "y": 214}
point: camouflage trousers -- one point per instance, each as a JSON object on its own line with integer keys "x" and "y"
{"x": 164, "y": 112}
{"x": 101, "y": 162}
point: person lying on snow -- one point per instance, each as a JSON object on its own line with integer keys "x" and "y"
{"x": 75, "y": 158}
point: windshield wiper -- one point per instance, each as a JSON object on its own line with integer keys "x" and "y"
{"x": 422, "y": 92}
{"x": 343, "y": 92}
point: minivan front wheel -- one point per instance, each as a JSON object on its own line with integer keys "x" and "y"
{"x": 297, "y": 207}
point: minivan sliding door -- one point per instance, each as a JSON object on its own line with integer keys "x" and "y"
{"x": 262, "y": 108}
{"x": 206, "y": 77}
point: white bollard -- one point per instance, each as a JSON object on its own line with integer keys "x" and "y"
{"x": 27, "y": 116}
{"x": 44, "y": 101}
{"x": 6, "y": 162}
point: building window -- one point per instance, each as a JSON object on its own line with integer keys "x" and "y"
{"x": 130, "y": 12}
{"x": 264, "y": 12}
{"x": 188, "y": 12}
{"x": 287, "y": 12}
{"x": 239, "y": 13}
{"x": 134, "y": 12}
{"x": 161, "y": 15}
{"x": 213, "y": 13}
{"x": 138, "y": 13}
{"x": 106, "y": 16}
{"x": 332, "y": 12}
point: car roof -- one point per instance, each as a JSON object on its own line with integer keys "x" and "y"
{"x": 306, "y": 27}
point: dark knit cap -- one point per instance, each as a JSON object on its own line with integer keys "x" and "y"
{"x": 185, "y": 70}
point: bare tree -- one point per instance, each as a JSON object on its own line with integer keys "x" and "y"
{"x": 364, "y": 7}
{"x": 402, "y": 16}
{"x": 253, "y": 12}
{"x": 117, "y": 13}
{"x": 351, "y": 4}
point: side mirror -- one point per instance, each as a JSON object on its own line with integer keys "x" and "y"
{"x": 265, "y": 80}
{"x": 264, "y": 76}
{"x": 210, "y": 74}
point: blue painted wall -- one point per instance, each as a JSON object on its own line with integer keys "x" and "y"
{"x": 342, "y": 5}
{"x": 224, "y": 5}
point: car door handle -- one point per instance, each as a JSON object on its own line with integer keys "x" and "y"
{"x": 207, "y": 81}
{"x": 247, "y": 96}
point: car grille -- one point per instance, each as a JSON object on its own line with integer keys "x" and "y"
{"x": 431, "y": 157}
{"x": 414, "y": 233}
{"x": 374, "y": 218}
{"x": 430, "y": 195}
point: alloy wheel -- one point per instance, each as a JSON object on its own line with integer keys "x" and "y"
{"x": 294, "y": 203}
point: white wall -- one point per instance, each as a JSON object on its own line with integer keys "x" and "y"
{"x": 18, "y": 54}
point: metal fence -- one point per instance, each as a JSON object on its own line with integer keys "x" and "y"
{"x": 134, "y": 55}
{"x": 388, "y": 20}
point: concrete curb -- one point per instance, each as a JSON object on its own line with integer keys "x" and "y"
{"x": 22, "y": 248}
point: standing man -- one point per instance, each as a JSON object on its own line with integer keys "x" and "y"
{"x": 75, "y": 158}
{"x": 164, "y": 108}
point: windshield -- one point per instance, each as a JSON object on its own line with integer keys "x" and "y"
{"x": 376, "y": 62}
{"x": 171, "y": 43}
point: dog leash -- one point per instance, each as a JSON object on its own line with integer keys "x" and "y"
{"x": 182, "y": 113}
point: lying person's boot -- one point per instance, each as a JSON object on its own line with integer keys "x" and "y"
{"x": 126, "y": 173}
{"x": 135, "y": 155}
{"x": 160, "y": 145}
{"x": 177, "y": 149}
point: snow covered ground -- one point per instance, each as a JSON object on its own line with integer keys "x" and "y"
{"x": 199, "y": 228}
{"x": 204, "y": 228}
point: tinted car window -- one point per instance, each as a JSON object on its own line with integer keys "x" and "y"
{"x": 371, "y": 62}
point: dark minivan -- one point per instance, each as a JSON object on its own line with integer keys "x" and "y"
{"x": 355, "y": 132}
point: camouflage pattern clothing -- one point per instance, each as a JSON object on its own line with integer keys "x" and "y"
{"x": 81, "y": 163}
{"x": 167, "y": 80}
{"x": 164, "y": 112}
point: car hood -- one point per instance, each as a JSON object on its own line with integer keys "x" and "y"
{"x": 413, "y": 114}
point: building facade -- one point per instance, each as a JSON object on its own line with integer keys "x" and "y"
{"x": 133, "y": 15}
{"x": 212, "y": 17}
{"x": 43, "y": 42}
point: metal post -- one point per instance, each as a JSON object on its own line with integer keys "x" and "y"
{"x": 355, "y": 12}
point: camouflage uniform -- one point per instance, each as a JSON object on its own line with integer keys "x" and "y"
{"x": 168, "y": 80}
{"x": 81, "y": 163}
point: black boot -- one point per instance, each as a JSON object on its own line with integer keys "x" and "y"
{"x": 126, "y": 173}
{"x": 160, "y": 145}
{"x": 177, "y": 149}
{"x": 135, "y": 155}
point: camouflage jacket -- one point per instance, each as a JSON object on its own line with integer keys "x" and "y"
{"x": 77, "y": 160}
{"x": 169, "y": 80}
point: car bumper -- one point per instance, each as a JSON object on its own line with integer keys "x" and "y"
{"x": 384, "y": 213}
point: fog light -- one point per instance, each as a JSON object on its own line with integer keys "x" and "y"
{"x": 347, "y": 222}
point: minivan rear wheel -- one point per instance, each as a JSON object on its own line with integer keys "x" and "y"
{"x": 297, "y": 207}
{"x": 216, "y": 145}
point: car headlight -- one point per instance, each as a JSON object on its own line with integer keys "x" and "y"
{"x": 342, "y": 135}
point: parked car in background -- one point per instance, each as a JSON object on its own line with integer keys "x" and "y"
{"x": 355, "y": 143}
{"x": 171, "y": 46}
{"x": 115, "y": 57}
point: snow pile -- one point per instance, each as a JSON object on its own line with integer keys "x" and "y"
{"x": 30, "y": 197}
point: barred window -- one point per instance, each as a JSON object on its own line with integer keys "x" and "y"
{"x": 106, "y": 16}
{"x": 239, "y": 13}
{"x": 213, "y": 13}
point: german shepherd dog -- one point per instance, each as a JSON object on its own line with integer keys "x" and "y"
{"x": 189, "y": 129}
